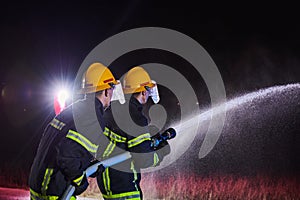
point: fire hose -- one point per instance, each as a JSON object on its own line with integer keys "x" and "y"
{"x": 93, "y": 168}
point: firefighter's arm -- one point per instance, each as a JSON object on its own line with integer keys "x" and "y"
{"x": 72, "y": 160}
{"x": 158, "y": 143}
{"x": 143, "y": 155}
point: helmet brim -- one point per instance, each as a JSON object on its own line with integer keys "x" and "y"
{"x": 89, "y": 90}
{"x": 139, "y": 89}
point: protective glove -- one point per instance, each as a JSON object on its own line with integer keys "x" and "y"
{"x": 81, "y": 187}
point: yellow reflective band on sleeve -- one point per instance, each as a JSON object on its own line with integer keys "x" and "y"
{"x": 78, "y": 180}
{"x": 57, "y": 124}
{"x": 139, "y": 140}
{"x": 155, "y": 159}
{"x": 113, "y": 136}
{"x": 83, "y": 141}
{"x": 46, "y": 180}
{"x": 109, "y": 149}
{"x": 135, "y": 195}
{"x": 106, "y": 181}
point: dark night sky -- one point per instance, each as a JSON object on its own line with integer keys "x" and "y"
{"x": 254, "y": 46}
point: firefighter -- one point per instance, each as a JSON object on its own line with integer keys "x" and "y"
{"x": 70, "y": 141}
{"x": 122, "y": 181}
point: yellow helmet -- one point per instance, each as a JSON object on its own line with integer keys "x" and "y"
{"x": 136, "y": 80}
{"x": 97, "y": 77}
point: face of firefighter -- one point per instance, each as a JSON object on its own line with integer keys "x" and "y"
{"x": 106, "y": 96}
{"x": 144, "y": 97}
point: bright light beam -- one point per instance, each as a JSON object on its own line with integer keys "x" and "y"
{"x": 60, "y": 100}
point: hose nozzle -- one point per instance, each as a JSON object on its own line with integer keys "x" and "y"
{"x": 166, "y": 135}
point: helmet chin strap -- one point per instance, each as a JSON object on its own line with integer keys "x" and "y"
{"x": 105, "y": 108}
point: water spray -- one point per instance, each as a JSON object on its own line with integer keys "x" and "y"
{"x": 185, "y": 129}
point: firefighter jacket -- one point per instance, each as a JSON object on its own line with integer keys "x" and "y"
{"x": 68, "y": 145}
{"x": 122, "y": 181}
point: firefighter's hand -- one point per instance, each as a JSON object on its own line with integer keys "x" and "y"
{"x": 164, "y": 145}
{"x": 81, "y": 187}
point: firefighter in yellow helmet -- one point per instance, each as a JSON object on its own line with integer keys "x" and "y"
{"x": 122, "y": 181}
{"x": 71, "y": 140}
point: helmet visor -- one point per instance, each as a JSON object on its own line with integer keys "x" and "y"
{"x": 154, "y": 92}
{"x": 118, "y": 93}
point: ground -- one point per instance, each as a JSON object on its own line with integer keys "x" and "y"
{"x": 21, "y": 194}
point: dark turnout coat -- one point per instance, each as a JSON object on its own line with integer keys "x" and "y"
{"x": 122, "y": 181}
{"x": 68, "y": 145}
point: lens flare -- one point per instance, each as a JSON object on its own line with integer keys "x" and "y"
{"x": 60, "y": 100}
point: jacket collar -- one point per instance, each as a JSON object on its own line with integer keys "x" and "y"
{"x": 136, "y": 103}
{"x": 99, "y": 106}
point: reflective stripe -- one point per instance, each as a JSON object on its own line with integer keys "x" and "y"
{"x": 57, "y": 124}
{"x": 134, "y": 175}
{"x": 78, "y": 180}
{"x": 106, "y": 181}
{"x": 83, "y": 141}
{"x": 46, "y": 180}
{"x": 155, "y": 159}
{"x": 139, "y": 139}
{"x": 113, "y": 136}
{"x": 109, "y": 149}
{"x": 36, "y": 196}
{"x": 126, "y": 195}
